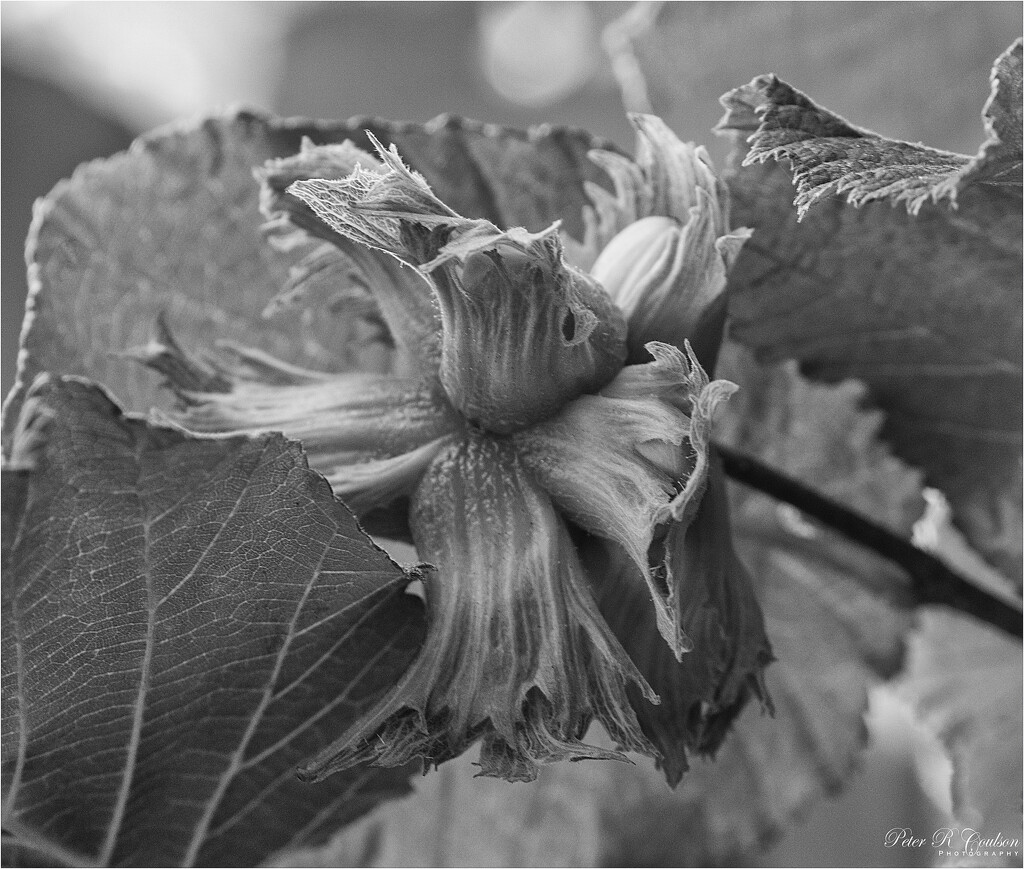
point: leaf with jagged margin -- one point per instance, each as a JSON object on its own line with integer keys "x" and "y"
{"x": 836, "y": 617}
{"x": 184, "y": 621}
{"x": 925, "y": 309}
{"x": 173, "y": 225}
{"x": 964, "y": 681}
{"x": 927, "y": 85}
{"x": 830, "y": 157}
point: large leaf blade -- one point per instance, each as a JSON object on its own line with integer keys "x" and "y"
{"x": 925, "y": 309}
{"x": 188, "y": 620}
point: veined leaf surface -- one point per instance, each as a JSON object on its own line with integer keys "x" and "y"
{"x": 183, "y": 622}
{"x": 925, "y": 308}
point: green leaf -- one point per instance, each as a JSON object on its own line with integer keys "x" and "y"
{"x": 183, "y": 622}
{"x": 173, "y": 226}
{"x": 964, "y": 681}
{"x": 925, "y": 309}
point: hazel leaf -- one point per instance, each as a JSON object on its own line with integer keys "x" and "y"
{"x": 829, "y": 156}
{"x": 964, "y": 681}
{"x": 184, "y": 621}
{"x": 926, "y": 309}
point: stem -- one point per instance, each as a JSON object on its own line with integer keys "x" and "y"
{"x": 933, "y": 582}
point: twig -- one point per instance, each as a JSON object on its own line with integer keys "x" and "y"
{"x": 618, "y": 37}
{"x": 933, "y": 582}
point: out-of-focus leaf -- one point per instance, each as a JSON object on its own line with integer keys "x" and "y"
{"x": 829, "y": 156}
{"x": 455, "y": 819}
{"x": 183, "y": 622}
{"x": 964, "y": 681}
{"x": 926, "y": 310}
{"x": 836, "y": 617}
{"x": 173, "y": 226}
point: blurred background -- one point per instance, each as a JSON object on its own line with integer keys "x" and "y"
{"x": 81, "y": 79}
